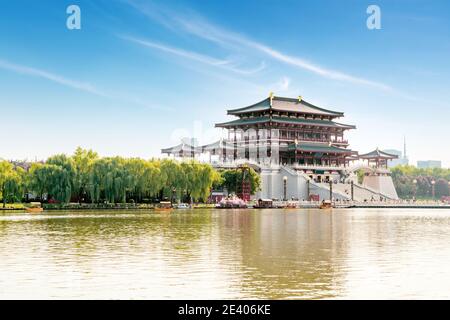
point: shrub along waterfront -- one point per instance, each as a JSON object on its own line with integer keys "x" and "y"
{"x": 84, "y": 177}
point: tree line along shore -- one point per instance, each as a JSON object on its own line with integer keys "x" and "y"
{"x": 86, "y": 178}
{"x": 421, "y": 183}
{"x": 91, "y": 181}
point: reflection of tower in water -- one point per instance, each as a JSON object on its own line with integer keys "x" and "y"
{"x": 289, "y": 254}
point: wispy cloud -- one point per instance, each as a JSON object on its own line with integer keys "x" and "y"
{"x": 327, "y": 73}
{"x": 82, "y": 86}
{"x": 21, "y": 69}
{"x": 225, "y": 64}
{"x": 213, "y": 33}
{"x": 198, "y": 26}
{"x": 178, "y": 52}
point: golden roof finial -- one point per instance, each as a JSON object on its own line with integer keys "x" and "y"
{"x": 270, "y": 94}
{"x": 300, "y": 98}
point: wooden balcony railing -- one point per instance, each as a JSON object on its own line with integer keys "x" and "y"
{"x": 286, "y": 138}
{"x": 315, "y": 139}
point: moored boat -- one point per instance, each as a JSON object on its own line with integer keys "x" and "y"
{"x": 292, "y": 205}
{"x": 182, "y": 206}
{"x": 35, "y": 207}
{"x": 326, "y": 204}
{"x": 232, "y": 202}
{"x": 264, "y": 204}
{"x": 164, "y": 206}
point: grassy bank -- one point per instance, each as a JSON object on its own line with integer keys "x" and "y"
{"x": 83, "y": 206}
{"x": 102, "y": 206}
{"x": 13, "y": 206}
{"x": 90, "y": 206}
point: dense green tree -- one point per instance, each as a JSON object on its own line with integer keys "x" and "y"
{"x": 173, "y": 179}
{"x": 39, "y": 179}
{"x": 62, "y": 175}
{"x": 404, "y": 177}
{"x": 198, "y": 179}
{"x": 51, "y": 180}
{"x": 97, "y": 179}
{"x": 232, "y": 179}
{"x": 83, "y": 162}
{"x": 442, "y": 188}
{"x": 152, "y": 180}
{"x": 110, "y": 178}
{"x": 11, "y": 183}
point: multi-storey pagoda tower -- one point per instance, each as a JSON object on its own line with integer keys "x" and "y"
{"x": 302, "y": 133}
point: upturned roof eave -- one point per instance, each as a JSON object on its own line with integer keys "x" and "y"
{"x": 180, "y": 147}
{"x": 378, "y": 154}
{"x": 242, "y": 110}
{"x": 269, "y": 106}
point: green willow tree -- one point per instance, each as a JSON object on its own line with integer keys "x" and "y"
{"x": 110, "y": 180}
{"x": 198, "y": 179}
{"x": 173, "y": 179}
{"x": 11, "y": 183}
{"x": 62, "y": 177}
{"x": 83, "y": 162}
{"x": 152, "y": 178}
{"x": 38, "y": 179}
{"x": 51, "y": 180}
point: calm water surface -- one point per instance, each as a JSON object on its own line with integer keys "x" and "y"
{"x": 212, "y": 254}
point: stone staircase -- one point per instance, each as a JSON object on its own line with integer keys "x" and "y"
{"x": 323, "y": 190}
{"x": 342, "y": 191}
{"x": 360, "y": 193}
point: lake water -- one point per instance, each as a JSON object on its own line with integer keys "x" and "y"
{"x": 213, "y": 254}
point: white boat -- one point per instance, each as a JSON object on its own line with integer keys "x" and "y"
{"x": 182, "y": 206}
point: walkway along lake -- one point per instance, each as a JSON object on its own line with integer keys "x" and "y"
{"x": 212, "y": 254}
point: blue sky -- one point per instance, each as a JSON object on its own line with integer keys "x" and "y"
{"x": 141, "y": 74}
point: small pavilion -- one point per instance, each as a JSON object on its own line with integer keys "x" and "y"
{"x": 221, "y": 148}
{"x": 182, "y": 150}
{"x": 378, "y": 158}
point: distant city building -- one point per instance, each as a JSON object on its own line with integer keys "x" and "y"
{"x": 401, "y": 161}
{"x": 425, "y": 164}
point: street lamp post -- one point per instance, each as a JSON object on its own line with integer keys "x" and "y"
{"x": 308, "y": 192}
{"x": 352, "y": 190}
{"x": 331, "y": 190}
{"x": 433, "y": 188}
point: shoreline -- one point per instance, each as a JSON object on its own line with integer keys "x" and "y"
{"x": 406, "y": 206}
{"x": 312, "y": 206}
